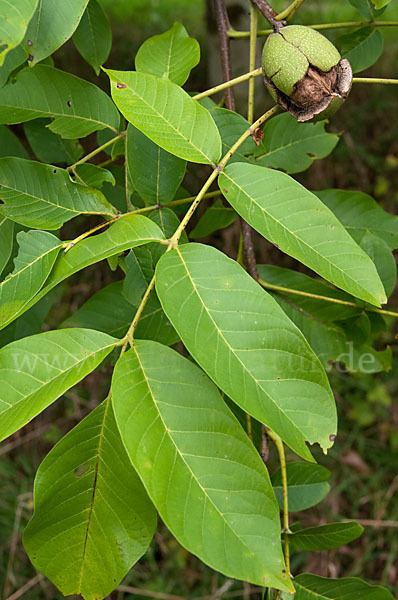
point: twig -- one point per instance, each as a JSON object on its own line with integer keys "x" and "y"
{"x": 229, "y": 83}
{"x": 270, "y": 14}
{"x": 264, "y": 450}
{"x": 96, "y": 151}
{"x": 249, "y": 249}
{"x": 136, "y": 592}
{"x": 223, "y": 27}
{"x": 376, "y": 523}
{"x": 374, "y": 80}
{"x": 290, "y": 10}
{"x": 232, "y": 33}
{"x": 28, "y": 585}
{"x": 252, "y": 60}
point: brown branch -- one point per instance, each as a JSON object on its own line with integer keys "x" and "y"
{"x": 223, "y": 26}
{"x": 249, "y": 249}
{"x": 264, "y": 450}
{"x": 269, "y": 13}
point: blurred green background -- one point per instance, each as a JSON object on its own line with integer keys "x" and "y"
{"x": 364, "y": 460}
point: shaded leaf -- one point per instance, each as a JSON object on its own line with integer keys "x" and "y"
{"x": 307, "y": 485}
{"x": 231, "y": 126}
{"x": 200, "y": 469}
{"x": 167, "y": 115}
{"x": 14, "y": 20}
{"x": 156, "y": 174}
{"x": 307, "y": 586}
{"x": 327, "y": 536}
{"x": 10, "y": 144}
{"x": 36, "y": 256}
{"x": 93, "y": 37}
{"x": 51, "y": 26}
{"x": 94, "y": 176}
{"x": 293, "y": 146}
{"x": 290, "y": 216}
{"x": 109, "y": 311}
{"x": 89, "y": 505}
{"x": 359, "y": 214}
{"x": 216, "y": 217}
{"x": 170, "y": 55}
{"x": 44, "y": 197}
{"x": 77, "y": 106}
{"x": 380, "y": 253}
{"x": 13, "y": 60}
{"x": 45, "y": 366}
{"x": 6, "y": 241}
{"x": 49, "y": 147}
{"x": 246, "y": 344}
{"x": 362, "y": 47}
{"x": 367, "y": 8}
{"x": 136, "y": 280}
{"x": 168, "y": 222}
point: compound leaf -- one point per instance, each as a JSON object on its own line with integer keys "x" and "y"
{"x": 247, "y": 345}
{"x": 92, "y": 519}
{"x": 198, "y": 466}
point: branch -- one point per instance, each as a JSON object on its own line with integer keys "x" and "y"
{"x": 269, "y": 13}
{"x": 232, "y": 33}
{"x": 96, "y": 151}
{"x": 290, "y": 10}
{"x": 374, "y": 80}
{"x": 223, "y": 26}
{"x": 229, "y": 83}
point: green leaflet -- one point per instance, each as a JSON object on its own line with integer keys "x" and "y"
{"x": 231, "y": 126}
{"x": 293, "y": 146}
{"x": 167, "y": 115}
{"x": 310, "y": 586}
{"x": 77, "y": 106}
{"x": 14, "y": 20}
{"x": 200, "y": 469}
{"x": 291, "y": 217}
{"x": 126, "y": 233}
{"x": 49, "y": 147}
{"x": 325, "y": 537}
{"x": 37, "y": 253}
{"x": 6, "y": 241}
{"x": 360, "y": 214}
{"x": 362, "y": 47}
{"x": 93, "y": 37}
{"x": 307, "y": 485}
{"x": 45, "y": 366}
{"x": 44, "y": 197}
{"x": 110, "y": 312}
{"x": 94, "y": 176}
{"x": 170, "y": 55}
{"x": 10, "y": 145}
{"x": 155, "y": 173}
{"x": 89, "y": 505}
{"x": 247, "y": 345}
{"x": 51, "y": 26}
{"x": 368, "y": 8}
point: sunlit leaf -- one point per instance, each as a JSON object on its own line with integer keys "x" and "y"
{"x": 170, "y": 55}
{"x": 246, "y": 344}
{"x": 200, "y": 469}
{"x": 292, "y": 217}
{"x": 77, "y": 106}
{"x": 14, "y": 20}
{"x": 167, "y": 115}
{"x": 45, "y": 366}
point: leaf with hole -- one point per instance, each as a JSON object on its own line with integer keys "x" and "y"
{"x": 167, "y": 115}
{"x": 45, "y": 366}
{"x": 14, "y": 21}
{"x": 51, "y": 26}
{"x": 77, "y": 106}
{"x": 44, "y": 197}
{"x": 171, "y": 55}
{"x": 198, "y": 466}
{"x": 244, "y": 341}
{"x": 87, "y": 497}
{"x": 290, "y": 216}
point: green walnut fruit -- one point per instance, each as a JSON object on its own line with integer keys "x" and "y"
{"x": 305, "y": 73}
